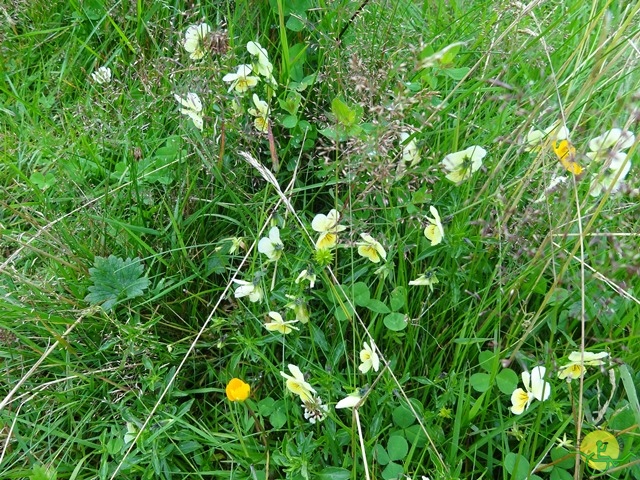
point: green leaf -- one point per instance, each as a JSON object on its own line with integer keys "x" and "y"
{"x": 295, "y": 24}
{"x": 345, "y": 115}
{"x": 507, "y": 381}
{"x": 517, "y": 465}
{"x": 361, "y": 295}
{"x": 480, "y": 382}
{"x": 402, "y": 417}
{"x": 393, "y": 471}
{"x": 395, "y": 322}
{"x": 115, "y": 280}
{"x": 456, "y": 73}
{"x": 289, "y": 121}
{"x": 266, "y": 406}
{"x": 559, "y": 452}
{"x": 397, "y": 448}
{"x": 397, "y": 298}
{"x": 333, "y": 473}
{"x": 43, "y": 181}
{"x": 278, "y": 418}
{"x": 377, "y": 306}
{"x": 381, "y": 454}
{"x": 560, "y": 474}
{"x": 486, "y": 359}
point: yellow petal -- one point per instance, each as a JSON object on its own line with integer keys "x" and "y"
{"x": 601, "y": 449}
{"x": 566, "y": 153}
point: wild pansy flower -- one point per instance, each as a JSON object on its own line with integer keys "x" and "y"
{"x": 299, "y": 307}
{"x": 428, "y": 278}
{"x": 461, "y": 165}
{"x": 351, "y": 400}
{"x": 308, "y": 276}
{"x": 271, "y": 246}
{"x": 248, "y": 289}
{"x": 434, "y": 231}
{"x": 535, "y": 388}
{"x": 609, "y": 145}
{"x": 370, "y": 248}
{"x": 279, "y": 325}
{"x": 577, "y": 361}
{"x": 262, "y": 65}
{"x": 297, "y": 385}
{"x": 410, "y": 152}
{"x": 607, "y": 148}
{"x": 261, "y": 112}
{"x": 315, "y": 410}
{"x": 237, "y": 390}
{"x": 242, "y": 80}
{"x": 369, "y": 358}
{"x": 194, "y": 40}
{"x": 611, "y": 179}
{"x": 237, "y": 244}
{"x": 537, "y": 138}
{"x": 102, "y": 75}
{"x": 192, "y": 108}
{"x": 328, "y": 227}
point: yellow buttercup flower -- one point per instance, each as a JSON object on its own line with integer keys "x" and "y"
{"x": 566, "y": 153}
{"x": 237, "y": 390}
{"x": 371, "y": 248}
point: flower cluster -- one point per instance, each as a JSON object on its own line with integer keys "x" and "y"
{"x": 248, "y": 76}
{"x": 536, "y": 388}
{"x": 102, "y": 75}
{"x": 608, "y": 162}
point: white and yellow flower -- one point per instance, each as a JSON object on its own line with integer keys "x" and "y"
{"x": 308, "y": 276}
{"x": 610, "y": 179}
{"x": 370, "y": 248}
{"x": 461, "y": 165}
{"x": 609, "y": 145}
{"x": 299, "y": 307}
{"x": 248, "y": 289}
{"x": 410, "y": 153}
{"x": 535, "y": 388}
{"x": 191, "y": 106}
{"x": 537, "y": 138}
{"x": 577, "y": 363}
{"x": 434, "y": 231}
{"x": 328, "y": 227}
{"x": 277, "y": 324}
{"x": 369, "y": 358}
{"x": 262, "y": 64}
{"x": 351, "y": 400}
{"x": 428, "y": 279}
{"x": 102, "y": 75}
{"x": 261, "y": 112}
{"x": 242, "y": 80}
{"x": 194, "y": 40}
{"x": 297, "y": 385}
{"x": 271, "y": 246}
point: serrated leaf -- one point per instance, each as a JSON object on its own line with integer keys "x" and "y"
{"x": 115, "y": 280}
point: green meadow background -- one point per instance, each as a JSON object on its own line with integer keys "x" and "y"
{"x": 123, "y": 226}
